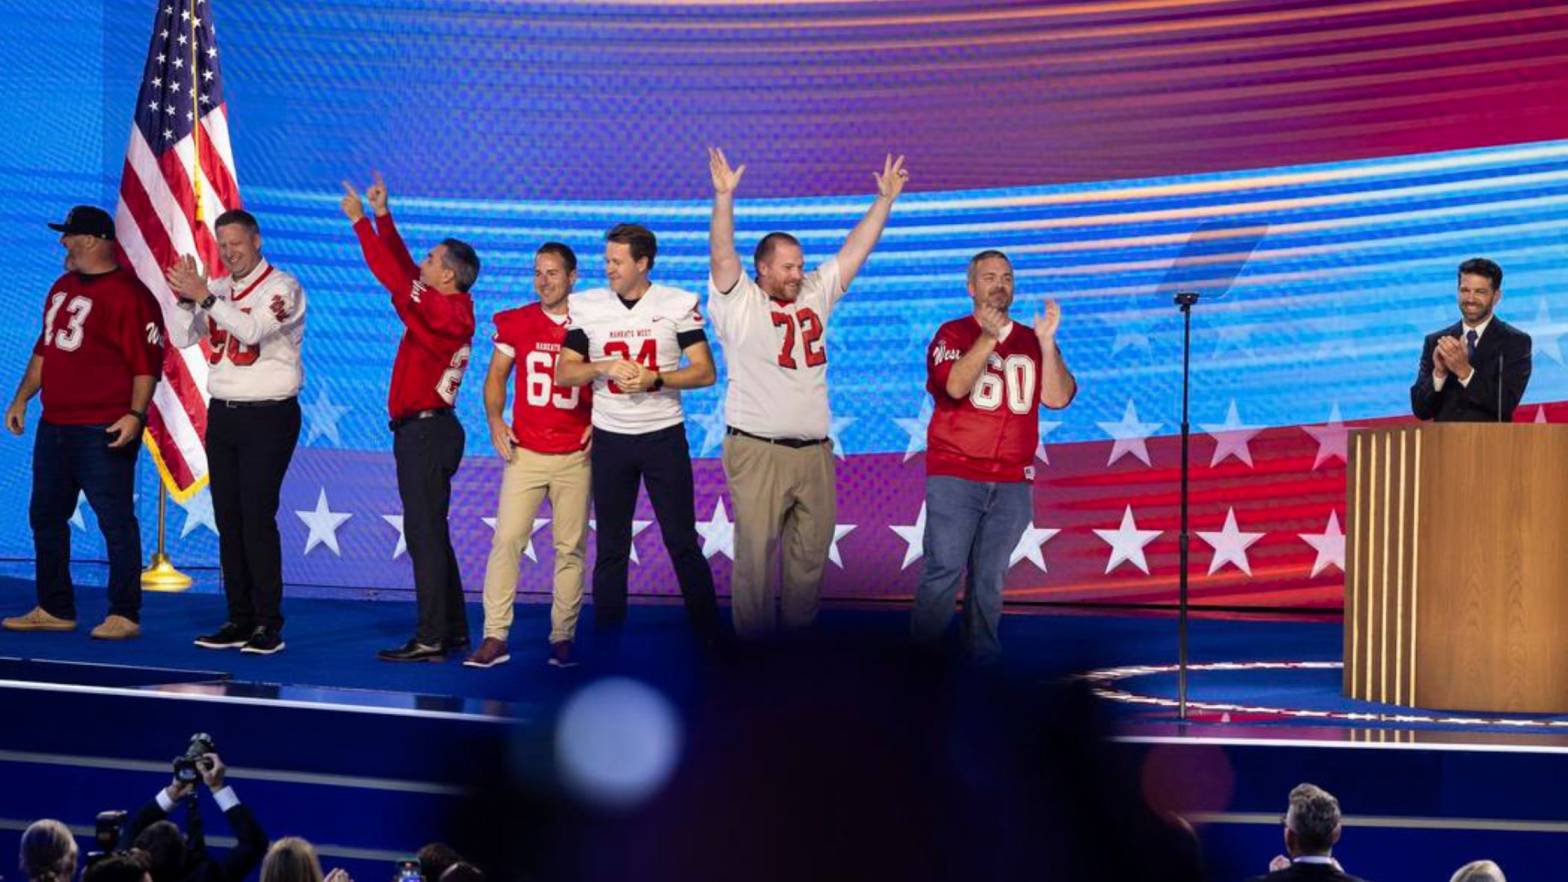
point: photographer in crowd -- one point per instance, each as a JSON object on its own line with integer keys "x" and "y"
{"x": 177, "y": 857}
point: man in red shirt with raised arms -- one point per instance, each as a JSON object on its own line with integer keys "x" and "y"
{"x": 988, "y": 378}
{"x": 97, "y": 361}
{"x": 427, "y": 440}
{"x": 546, "y": 453}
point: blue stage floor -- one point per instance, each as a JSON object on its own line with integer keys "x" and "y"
{"x": 323, "y": 731}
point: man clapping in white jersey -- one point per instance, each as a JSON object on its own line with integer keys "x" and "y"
{"x": 628, "y": 340}
{"x": 777, "y": 456}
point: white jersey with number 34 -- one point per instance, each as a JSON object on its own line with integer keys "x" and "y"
{"x": 648, "y": 333}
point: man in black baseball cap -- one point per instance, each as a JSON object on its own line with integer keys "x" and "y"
{"x": 86, "y": 220}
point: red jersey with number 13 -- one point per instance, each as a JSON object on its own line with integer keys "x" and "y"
{"x": 99, "y": 333}
{"x": 990, "y": 434}
{"x": 546, "y": 417}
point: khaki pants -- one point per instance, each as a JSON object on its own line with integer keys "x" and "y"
{"x": 525, "y": 482}
{"x": 785, "y": 506}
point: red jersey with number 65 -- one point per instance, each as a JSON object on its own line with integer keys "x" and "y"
{"x": 99, "y": 332}
{"x": 546, "y": 418}
{"x": 990, "y": 434}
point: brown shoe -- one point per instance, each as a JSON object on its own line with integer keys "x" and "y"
{"x": 38, "y": 620}
{"x": 491, "y": 652}
{"x": 117, "y": 628}
{"x": 561, "y": 655}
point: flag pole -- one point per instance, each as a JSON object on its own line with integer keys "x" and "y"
{"x": 161, "y": 574}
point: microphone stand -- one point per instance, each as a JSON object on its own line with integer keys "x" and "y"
{"x": 1185, "y": 300}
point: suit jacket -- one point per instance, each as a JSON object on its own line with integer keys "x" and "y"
{"x": 1310, "y": 872}
{"x": 1478, "y": 401}
{"x": 236, "y": 864}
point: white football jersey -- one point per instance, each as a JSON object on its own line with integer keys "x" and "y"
{"x": 777, "y": 354}
{"x": 647, "y": 332}
{"x": 255, "y": 329}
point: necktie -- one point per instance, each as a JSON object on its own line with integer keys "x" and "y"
{"x": 1470, "y": 338}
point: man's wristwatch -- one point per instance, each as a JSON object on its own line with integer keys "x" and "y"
{"x": 657, "y": 384}
{"x": 141, "y": 415}
{"x": 207, "y": 303}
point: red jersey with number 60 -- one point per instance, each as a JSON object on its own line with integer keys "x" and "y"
{"x": 546, "y": 418}
{"x": 991, "y": 433}
{"x": 99, "y": 332}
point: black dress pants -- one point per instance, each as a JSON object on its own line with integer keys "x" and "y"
{"x": 661, "y": 461}
{"x": 249, "y": 446}
{"x": 428, "y": 453}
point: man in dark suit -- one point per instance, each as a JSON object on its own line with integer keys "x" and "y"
{"x": 1470, "y": 366}
{"x": 1312, "y": 825}
{"x": 173, "y": 858}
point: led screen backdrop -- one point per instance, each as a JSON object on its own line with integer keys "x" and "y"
{"x": 1340, "y": 158}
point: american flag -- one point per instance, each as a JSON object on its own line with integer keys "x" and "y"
{"x": 178, "y": 177}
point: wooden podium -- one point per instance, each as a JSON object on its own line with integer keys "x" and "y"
{"x": 1456, "y": 578}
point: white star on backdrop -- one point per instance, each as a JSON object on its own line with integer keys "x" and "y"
{"x": 837, "y": 425}
{"x": 1231, "y": 437}
{"x": 916, "y": 429}
{"x": 1132, "y": 331}
{"x": 1030, "y": 546}
{"x": 1330, "y": 545}
{"x": 637, "y": 527}
{"x": 1130, "y": 435}
{"x": 539, "y": 524}
{"x": 718, "y": 533}
{"x": 198, "y": 513}
{"x": 1545, "y": 335}
{"x": 323, "y": 523}
{"x": 914, "y": 535}
{"x": 76, "y": 515}
{"x": 402, "y": 539}
{"x": 1046, "y": 428}
{"x": 323, "y": 418}
{"x": 1230, "y": 545}
{"x": 1127, "y": 542}
{"x": 839, "y": 532}
{"x": 1237, "y": 338}
{"x": 1540, "y": 415}
{"x": 712, "y": 427}
{"x": 1332, "y": 437}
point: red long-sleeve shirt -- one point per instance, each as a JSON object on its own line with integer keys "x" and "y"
{"x": 438, "y": 328}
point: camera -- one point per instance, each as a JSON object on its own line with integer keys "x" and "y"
{"x": 188, "y": 766}
{"x": 106, "y": 836}
{"x": 408, "y": 871}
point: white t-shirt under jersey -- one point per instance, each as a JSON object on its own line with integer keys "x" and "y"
{"x": 777, "y": 354}
{"x": 647, "y": 332}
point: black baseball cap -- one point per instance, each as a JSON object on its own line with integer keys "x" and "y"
{"x": 86, "y": 219}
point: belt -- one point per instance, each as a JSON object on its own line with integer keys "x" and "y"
{"x": 399, "y": 422}
{"x": 269, "y": 402}
{"x": 794, "y": 443}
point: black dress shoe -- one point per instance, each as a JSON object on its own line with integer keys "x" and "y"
{"x": 413, "y": 651}
{"x": 230, "y": 636}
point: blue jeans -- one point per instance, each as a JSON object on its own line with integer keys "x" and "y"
{"x": 971, "y": 524}
{"x": 68, "y": 460}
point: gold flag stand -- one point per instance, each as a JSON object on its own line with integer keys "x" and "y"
{"x": 160, "y": 574}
